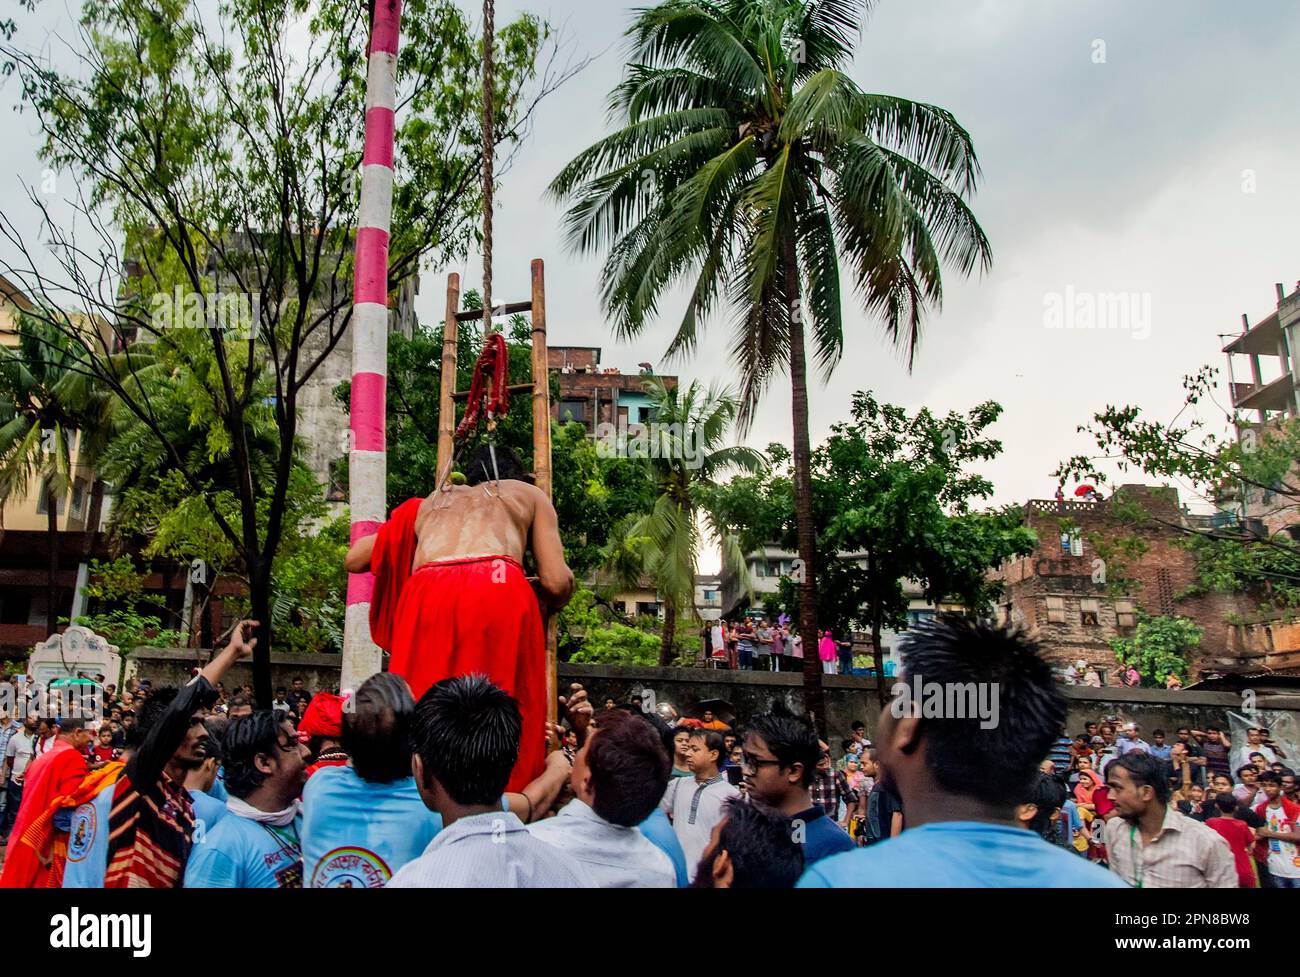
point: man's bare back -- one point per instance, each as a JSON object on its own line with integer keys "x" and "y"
{"x": 462, "y": 522}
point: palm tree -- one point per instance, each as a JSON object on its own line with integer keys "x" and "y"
{"x": 683, "y": 449}
{"x": 747, "y": 163}
{"x": 47, "y": 400}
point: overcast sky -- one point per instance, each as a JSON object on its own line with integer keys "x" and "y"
{"x": 1168, "y": 171}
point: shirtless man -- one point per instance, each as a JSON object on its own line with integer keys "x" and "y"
{"x": 451, "y": 597}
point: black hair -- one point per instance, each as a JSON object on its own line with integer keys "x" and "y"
{"x": 1270, "y": 777}
{"x": 150, "y": 712}
{"x": 1145, "y": 771}
{"x": 1247, "y": 766}
{"x": 1157, "y": 732}
{"x": 791, "y": 739}
{"x": 845, "y": 745}
{"x": 963, "y": 758}
{"x": 70, "y": 724}
{"x": 377, "y": 729}
{"x": 762, "y": 845}
{"x": 629, "y": 769}
{"x": 712, "y": 741}
{"x": 479, "y": 467}
{"x": 1048, "y": 794}
{"x": 858, "y": 724}
{"x": 240, "y": 699}
{"x": 216, "y": 727}
{"x": 466, "y": 732}
{"x": 245, "y": 739}
{"x": 1225, "y": 803}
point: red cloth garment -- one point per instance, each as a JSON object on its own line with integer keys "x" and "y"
{"x": 54, "y": 775}
{"x": 1240, "y": 838}
{"x": 462, "y": 617}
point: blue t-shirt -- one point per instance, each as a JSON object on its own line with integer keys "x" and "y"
{"x": 218, "y": 790}
{"x": 208, "y": 810}
{"x": 240, "y": 853}
{"x": 959, "y": 854}
{"x": 822, "y": 837}
{"x": 88, "y": 842}
{"x": 659, "y": 831}
{"x": 357, "y": 834}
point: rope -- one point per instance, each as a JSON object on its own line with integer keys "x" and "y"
{"x": 489, "y": 152}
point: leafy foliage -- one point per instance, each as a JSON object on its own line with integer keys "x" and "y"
{"x": 1159, "y": 646}
{"x": 116, "y": 590}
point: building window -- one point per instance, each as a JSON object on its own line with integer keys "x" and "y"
{"x": 78, "y": 496}
{"x": 1125, "y": 614}
{"x": 647, "y": 608}
{"x": 573, "y": 410}
{"x": 15, "y": 608}
{"x": 1055, "y": 610}
{"x": 1089, "y": 612}
{"x": 42, "y": 502}
{"x": 710, "y": 595}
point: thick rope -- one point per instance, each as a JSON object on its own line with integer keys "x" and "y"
{"x": 489, "y": 152}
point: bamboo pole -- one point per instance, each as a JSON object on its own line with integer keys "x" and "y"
{"x": 447, "y": 394}
{"x": 542, "y": 456}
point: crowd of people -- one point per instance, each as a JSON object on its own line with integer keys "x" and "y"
{"x": 199, "y": 787}
{"x": 757, "y": 644}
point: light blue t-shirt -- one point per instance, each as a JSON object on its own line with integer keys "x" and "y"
{"x": 659, "y": 832}
{"x": 959, "y": 854}
{"x": 357, "y": 834}
{"x": 218, "y": 790}
{"x": 240, "y": 853}
{"x": 208, "y": 810}
{"x": 88, "y": 842}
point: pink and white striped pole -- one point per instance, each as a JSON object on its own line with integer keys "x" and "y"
{"x": 368, "y": 469}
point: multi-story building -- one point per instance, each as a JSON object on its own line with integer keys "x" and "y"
{"x": 1271, "y": 349}
{"x": 708, "y": 596}
{"x": 594, "y": 395}
{"x": 1095, "y": 569}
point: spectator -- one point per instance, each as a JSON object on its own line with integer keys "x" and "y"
{"x": 830, "y": 790}
{"x": 618, "y": 777}
{"x": 1151, "y": 845}
{"x": 280, "y": 703}
{"x": 709, "y": 721}
{"x": 1248, "y": 791}
{"x": 466, "y": 736}
{"x": 751, "y": 847}
{"x": 241, "y": 706}
{"x": 1257, "y": 741}
{"x": 695, "y": 806}
{"x": 1280, "y": 831}
{"x": 1215, "y": 745}
{"x": 321, "y": 729}
{"x": 959, "y": 778}
{"x": 299, "y": 695}
{"x": 681, "y": 746}
{"x": 1239, "y": 836}
{"x": 1193, "y": 754}
{"x": 259, "y": 844}
{"x": 828, "y": 654}
{"x": 19, "y": 752}
{"x": 1129, "y": 741}
{"x": 780, "y": 757}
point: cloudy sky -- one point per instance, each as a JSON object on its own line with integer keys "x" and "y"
{"x": 1144, "y": 148}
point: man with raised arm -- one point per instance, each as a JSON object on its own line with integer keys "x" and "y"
{"x": 450, "y": 595}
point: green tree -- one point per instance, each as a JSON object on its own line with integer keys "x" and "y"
{"x": 116, "y": 592}
{"x": 684, "y": 452}
{"x": 1257, "y": 468}
{"x": 894, "y": 500}
{"x": 1159, "y": 646}
{"x": 747, "y": 163}
{"x": 51, "y": 411}
{"x": 214, "y": 151}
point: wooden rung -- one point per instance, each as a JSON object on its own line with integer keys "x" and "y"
{"x": 514, "y": 388}
{"x": 476, "y": 315}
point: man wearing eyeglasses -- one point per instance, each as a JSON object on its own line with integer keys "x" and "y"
{"x": 781, "y": 753}
{"x": 258, "y": 845}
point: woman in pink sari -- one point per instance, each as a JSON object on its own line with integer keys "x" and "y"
{"x": 1089, "y": 781}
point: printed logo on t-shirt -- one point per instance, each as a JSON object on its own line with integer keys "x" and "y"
{"x": 351, "y": 868}
{"x": 82, "y": 834}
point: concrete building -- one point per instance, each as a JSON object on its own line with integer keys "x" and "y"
{"x": 593, "y": 395}
{"x": 1065, "y": 596}
{"x": 1271, "y": 351}
{"x": 708, "y": 596}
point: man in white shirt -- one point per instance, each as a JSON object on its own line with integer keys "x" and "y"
{"x": 1128, "y": 741}
{"x": 18, "y": 754}
{"x": 466, "y": 737}
{"x": 1255, "y": 743}
{"x": 618, "y": 778}
{"x": 695, "y": 805}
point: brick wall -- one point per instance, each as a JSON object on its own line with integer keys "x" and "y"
{"x": 1158, "y": 576}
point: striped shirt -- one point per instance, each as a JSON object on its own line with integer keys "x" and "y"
{"x": 490, "y": 851}
{"x": 1184, "y": 855}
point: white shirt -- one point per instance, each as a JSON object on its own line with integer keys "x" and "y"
{"x": 22, "y": 747}
{"x": 1241, "y": 756}
{"x": 490, "y": 851}
{"x": 696, "y": 809}
{"x": 1186, "y": 854}
{"x": 613, "y": 856}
